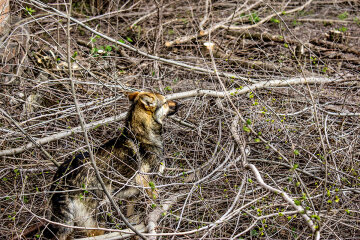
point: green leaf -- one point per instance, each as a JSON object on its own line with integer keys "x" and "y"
{"x": 122, "y": 41}
{"x": 152, "y": 185}
{"x": 168, "y": 88}
{"x": 94, "y": 50}
{"x": 129, "y": 39}
{"x": 274, "y": 20}
{"x": 75, "y": 54}
{"x": 254, "y": 18}
{"x": 343, "y": 16}
{"x": 246, "y": 129}
{"x": 315, "y": 217}
{"x": 343, "y": 29}
{"x": 296, "y": 152}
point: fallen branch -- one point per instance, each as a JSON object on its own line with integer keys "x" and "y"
{"x": 188, "y": 94}
{"x": 60, "y": 135}
{"x": 333, "y": 45}
{"x": 155, "y": 215}
{"x": 253, "y": 87}
{"x": 117, "y": 235}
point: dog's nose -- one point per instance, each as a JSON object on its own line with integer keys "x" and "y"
{"x": 173, "y": 106}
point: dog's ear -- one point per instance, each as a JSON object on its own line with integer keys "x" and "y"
{"x": 147, "y": 100}
{"x": 132, "y": 95}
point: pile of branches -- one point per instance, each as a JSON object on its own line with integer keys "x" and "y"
{"x": 266, "y": 144}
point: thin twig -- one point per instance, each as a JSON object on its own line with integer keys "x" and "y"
{"x": 35, "y": 143}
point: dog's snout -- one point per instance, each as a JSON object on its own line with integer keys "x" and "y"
{"x": 173, "y": 106}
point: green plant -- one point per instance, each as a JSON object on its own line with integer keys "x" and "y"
{"x": 274, "y": 20}
{"x": 168, "y": 88}
{"x": 152, "y": 185}
{"x": 129, "y": 39}
{"x": 246, "y": 129}
{"x": 357, "y": 21}
{"x": 343, "y": 16}
{"x": 342, "y": 29}
{"x": 93, "y": 39}
{"x": 74, "y": 56}
{"x": 314, "y": 60}
{"x": 295, "y": 23}
{"x": 315, "y": 217}
{"x": 254, "y": 233}
{"x": 254, "y": 18}
{"x": 29, "y": 10}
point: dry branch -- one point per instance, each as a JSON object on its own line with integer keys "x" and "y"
{"x": 61, "y": 135}
{"x": 188, "y": 94}
{"x": 125, "y": 234}
{"x": 332, "y": 45}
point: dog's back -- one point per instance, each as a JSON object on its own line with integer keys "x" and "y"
{"x": 77, "y": 192}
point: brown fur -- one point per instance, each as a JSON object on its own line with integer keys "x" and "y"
{"x": 137, "y": 149}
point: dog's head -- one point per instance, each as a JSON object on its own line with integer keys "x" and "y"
{"x": 154, "y": 105}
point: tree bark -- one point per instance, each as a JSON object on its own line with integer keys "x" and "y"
{"x": 4, "y": 16}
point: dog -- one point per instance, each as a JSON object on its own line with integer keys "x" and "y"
{"x": 120, "y": 162}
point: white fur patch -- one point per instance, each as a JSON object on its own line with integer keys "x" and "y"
{"x": 128, "y": 193}
{"x": 161, "y": 113}
{"x": 82, "y": 214}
